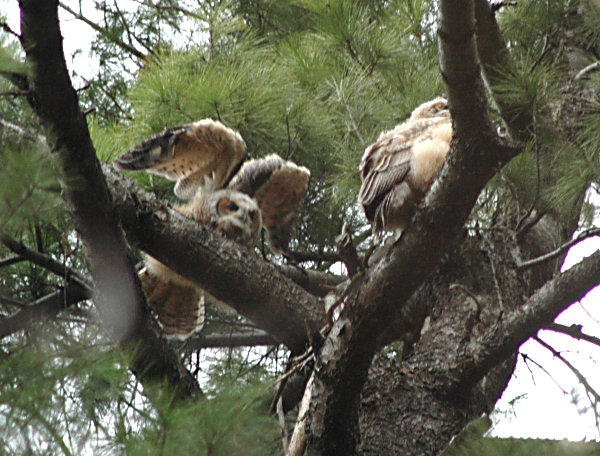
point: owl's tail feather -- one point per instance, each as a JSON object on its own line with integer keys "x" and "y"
{"x": 179, "y": 308}
{"x": 151, "y": 151}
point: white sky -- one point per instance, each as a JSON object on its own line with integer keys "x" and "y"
{"x": 542, "y": 410}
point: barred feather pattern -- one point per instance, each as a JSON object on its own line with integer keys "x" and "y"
{"x": 398, "y": 169}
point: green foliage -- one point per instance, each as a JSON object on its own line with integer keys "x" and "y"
{"x": 235, "y": 422}
{"x": 64, "y": 392}
{"x": 524, "y": 447}
{"x": 315, "y": 82}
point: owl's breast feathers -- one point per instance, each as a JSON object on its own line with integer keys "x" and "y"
{"x": 398, "y": 169}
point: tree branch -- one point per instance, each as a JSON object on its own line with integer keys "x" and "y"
{"x": 47, "y": 307}
{"x": 560, "y": 250}
{"x": 118, "y": 296}
{"x": 589, "y": 388}
{"x": 240, "y": 339}
{"x": 476, "y": 154}
{"x": 41, "y": 259}
{"x": 496, "y": 63}
{"x": 537, "y": 312}
{"x": 229, "y": 272}
{"x": 102, "y": 31}
{"x": 573, "y": 331}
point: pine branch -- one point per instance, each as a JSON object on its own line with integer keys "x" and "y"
{"x": 118, "y": 296}
{"x": 537, "y": 312}
{"x": 560, "y": 250}
{"x": 496, "y": 62}
{"x": 589, "y": 388}
{"x": 102, "y": 31}
{"x": 45, "y": 308}
{"x": 239, "y": 339}
{"x": 10, "y": 261}
{"x": 41, "y": 259}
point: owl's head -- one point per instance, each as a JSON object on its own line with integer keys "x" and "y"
{"x": 236, "y": 215}
{"x": 438, "y": 107}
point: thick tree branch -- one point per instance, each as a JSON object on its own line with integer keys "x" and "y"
{"x": 118, "y": 297}
{"x": 229, "y": 272}
{"x": 240, "y": 339}
{"x": 537, "y": 312}
{"x": 475, "y": 156}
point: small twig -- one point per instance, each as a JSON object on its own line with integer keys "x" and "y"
{"x": 10, "y": 261}
{"x": 7, "y": 29}
{"x": 589, "y": 389}
{"x": 560, "y": 250}
{"x": 527, "y": 358}
{"x": 573, "y": 331}
{"x": 41, "y": 259}
{"x": 587, "y": 69}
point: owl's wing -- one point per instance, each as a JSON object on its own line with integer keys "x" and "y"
{"x": 278, "y": 186}
{"x": 398, "y": 168}
{"x": 178, "y": 304}
{"x": 202, "y": 154}
{"x": 385, "y": 164}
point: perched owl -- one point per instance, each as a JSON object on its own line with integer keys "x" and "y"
{"x": 206, "y": 158}
{"x": 278, "y": 187}
{"x": 177, "y": 302}
{"x": 399, "y": 168}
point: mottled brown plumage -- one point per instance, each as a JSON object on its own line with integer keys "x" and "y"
{"x": 203, "y": 154}
{"x": 205, "y": 158}
{"x": 278, "y": 187}
{"x": 398, "y": 169}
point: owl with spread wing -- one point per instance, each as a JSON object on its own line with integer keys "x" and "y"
{"x": 235, "y": 198}
{"x": 398, "y": 169}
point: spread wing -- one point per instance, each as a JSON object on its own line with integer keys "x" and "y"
{"x": 178, "y": 305}
{"x": 278, "y": 186}
{"x": 202, "y": 154}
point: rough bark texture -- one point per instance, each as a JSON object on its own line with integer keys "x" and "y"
{"x": 231, "y": 273}
{"x": 481, "y": 305}
{"x": 118, "y": 294}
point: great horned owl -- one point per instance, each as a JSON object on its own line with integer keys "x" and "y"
{"x": 398, "y": 169}
{"x": 177, "y": 302}
{"x": 205, "y": 159}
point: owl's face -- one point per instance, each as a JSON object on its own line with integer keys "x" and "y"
{"x": 236, "y": 215}
{"x": 437, "y": 107}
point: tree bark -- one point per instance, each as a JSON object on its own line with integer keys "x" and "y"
{"x": 118, "y": 295}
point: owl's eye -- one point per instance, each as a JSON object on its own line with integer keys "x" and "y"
{"x": 226, "y": 206}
